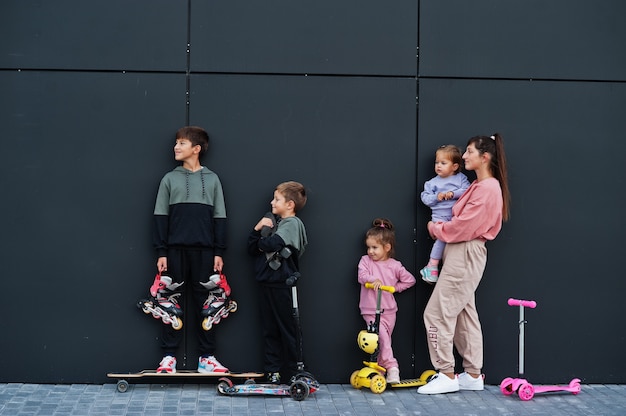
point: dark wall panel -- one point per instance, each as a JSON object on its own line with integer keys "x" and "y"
{"x": 323, "y": 37}
{"x": 561, "y": 39}
{"x": 83, "y": 156}
{"x": 558, "y": 248}
{"x": 351, "y": 141}
{"x": 323, "y": 93}
{"x": 102, "y": 35}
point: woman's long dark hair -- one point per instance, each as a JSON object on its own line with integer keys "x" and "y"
{"x": 495, "y": 147}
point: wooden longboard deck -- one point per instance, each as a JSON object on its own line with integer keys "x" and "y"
{"x": 182, "y": 373}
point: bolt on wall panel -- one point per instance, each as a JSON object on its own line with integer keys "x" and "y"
{"x": 102, "y": 35}
{"x": 559, "y": 39}
{"x": 322, "y": 37}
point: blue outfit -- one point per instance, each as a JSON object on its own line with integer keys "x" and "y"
{"x": 442, "y": 210}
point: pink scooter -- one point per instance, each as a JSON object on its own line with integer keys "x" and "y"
{"x": 524, "y": 389}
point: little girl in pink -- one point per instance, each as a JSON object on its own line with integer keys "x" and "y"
{"x": 379, "y": 268}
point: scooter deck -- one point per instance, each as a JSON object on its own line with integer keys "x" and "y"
{"x": 297, "y": 390}
{"x": 411, "y": 382}
{"x": 254, "y": 390}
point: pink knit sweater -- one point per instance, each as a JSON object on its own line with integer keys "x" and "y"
{"x": 476, "y": 215}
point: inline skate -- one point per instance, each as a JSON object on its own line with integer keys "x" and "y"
{"x": 218, "y": 303}
{"x": 163, "y": 302}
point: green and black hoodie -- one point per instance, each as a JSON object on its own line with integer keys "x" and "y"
{"x": 190, "y": 212}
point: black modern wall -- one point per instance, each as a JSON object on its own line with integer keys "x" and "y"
{"x": 349, "y": 98}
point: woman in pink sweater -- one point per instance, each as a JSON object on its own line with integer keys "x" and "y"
{"x": 450, "y": 316}
{"x": 380, "y": 268}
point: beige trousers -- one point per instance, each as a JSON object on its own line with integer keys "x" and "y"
{"x": 450, "y": 316}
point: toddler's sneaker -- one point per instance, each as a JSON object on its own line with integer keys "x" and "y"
{"x": 440, "y": 383}
{"x": 210, "y": 364}
{"x": 393, "y": 375}
{"x": 467, "y": 382}
{"x": 273, "y": 378}
{"x": 430, "y": 274}
{"x": 167, "y": 365}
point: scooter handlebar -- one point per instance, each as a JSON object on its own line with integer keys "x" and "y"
{"x": 525, "y": 303}
{"x": 389, "y": 289}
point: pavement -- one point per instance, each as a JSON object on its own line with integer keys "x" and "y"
{"x": 17, "y": 399}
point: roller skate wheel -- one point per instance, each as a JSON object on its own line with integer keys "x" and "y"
{"x": 177, "y": 324}
{"x": 206, "y": 324}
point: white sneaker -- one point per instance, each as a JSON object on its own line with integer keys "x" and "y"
{"x": 167, "y": 365}
{"x": 210, "y": 365}
{"x": 440, "y": 383}
{"x": 467, "y": 382}
{"x": 393, "y": 375}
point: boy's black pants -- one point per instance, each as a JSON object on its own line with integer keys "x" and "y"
{"x": 279, "y": 329}
{"x": 191, "y": 266}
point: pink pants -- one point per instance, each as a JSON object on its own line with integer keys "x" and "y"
{"x": 385, "y": 352}
{"x": 450, "y": 316}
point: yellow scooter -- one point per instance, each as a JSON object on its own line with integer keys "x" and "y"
{"x": 372, "y": 376}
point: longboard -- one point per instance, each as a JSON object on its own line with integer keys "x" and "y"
{"x": 122, "y": 384}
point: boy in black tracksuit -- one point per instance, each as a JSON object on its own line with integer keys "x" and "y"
{"x": 190, "y": 239}
{"x": 273, "y": 269}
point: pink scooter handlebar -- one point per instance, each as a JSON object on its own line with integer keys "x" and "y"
{"x": 526, "y": 303}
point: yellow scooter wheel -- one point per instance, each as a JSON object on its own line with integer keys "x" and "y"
{"x": 378, "y": 384}
{"x": 354, "y": 380}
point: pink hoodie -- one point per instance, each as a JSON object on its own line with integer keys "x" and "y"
{"x": 476, "y": 215}
{"x": 392, "y": 273}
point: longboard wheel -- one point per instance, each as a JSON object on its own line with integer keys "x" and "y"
{"x": 122, "y": 386}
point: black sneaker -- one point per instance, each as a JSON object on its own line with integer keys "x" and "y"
{"x": 273, "y": 378}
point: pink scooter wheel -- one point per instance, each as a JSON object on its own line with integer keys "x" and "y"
{"x": 506, "y": 387}
{"x": 526, "y": 391}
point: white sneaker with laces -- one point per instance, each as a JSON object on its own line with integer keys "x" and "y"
{"x": 440, "y": 383}
{"x": 467, "y": 382}
{"x": 210, "y": 364}
{"x": 167, "y": 365}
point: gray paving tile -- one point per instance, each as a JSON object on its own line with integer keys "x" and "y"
{"x": 335, "y": 399}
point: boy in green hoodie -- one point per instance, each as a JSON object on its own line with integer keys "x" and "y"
{"x": 277, "y": 241}
{"x": 189, "y": 238}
